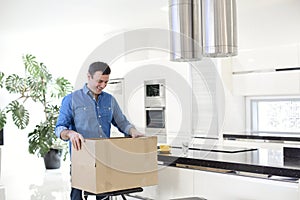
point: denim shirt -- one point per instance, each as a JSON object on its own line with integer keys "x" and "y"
{"x": 82, "y": 113}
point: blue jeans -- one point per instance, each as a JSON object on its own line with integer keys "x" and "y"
{"x": 76, "y": 194}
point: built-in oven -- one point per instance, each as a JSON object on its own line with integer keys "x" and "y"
{"x": 155, "y": 118}
{"x": 155, "y": 108}
{"x": 155, "y": 93}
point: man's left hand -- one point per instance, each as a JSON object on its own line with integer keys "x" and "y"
{"x": 135, "y": 133}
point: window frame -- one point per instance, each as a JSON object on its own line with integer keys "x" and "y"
{"x": 252, "y": 116}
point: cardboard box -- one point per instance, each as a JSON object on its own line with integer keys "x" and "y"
{"x": 105, "y": 165}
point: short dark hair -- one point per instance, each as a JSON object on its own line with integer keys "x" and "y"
{"x": 99, "y": 66}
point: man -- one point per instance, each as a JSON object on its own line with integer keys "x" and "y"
{"x": 89, "y": 113}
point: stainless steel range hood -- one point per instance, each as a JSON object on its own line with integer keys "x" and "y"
{"x": 185, "y": 25}
{"x": 219, "y": 28}
{"x": 202, "y": 28}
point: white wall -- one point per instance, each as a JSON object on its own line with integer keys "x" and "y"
{"x": 268, "y": 37}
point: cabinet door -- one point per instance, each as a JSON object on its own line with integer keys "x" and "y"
{"x": 216, "y": 186}
{"x": 266, "y": 83}
{"x": 173, "y": 183}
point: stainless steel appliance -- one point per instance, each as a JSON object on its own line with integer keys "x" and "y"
{"x": 155, "y": 118}
{"x": 155, "y": 93}
{"x": 155, "y": 107}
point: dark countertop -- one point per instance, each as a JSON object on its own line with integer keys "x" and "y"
{"x": 260, "y": 161}
{"x": 263, "y": 136}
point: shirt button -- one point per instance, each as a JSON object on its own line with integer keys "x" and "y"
{"x": 99, "y": 116}
{"x": 100, "y": 126}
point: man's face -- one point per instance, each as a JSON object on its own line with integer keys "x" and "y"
{"x": 97, "y": 82}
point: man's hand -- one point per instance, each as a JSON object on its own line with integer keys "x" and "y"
{"x": 76, "y": 138}
{"x": 135, "y": 133}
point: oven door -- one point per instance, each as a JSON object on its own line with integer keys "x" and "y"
{"x": 155, "y": 118}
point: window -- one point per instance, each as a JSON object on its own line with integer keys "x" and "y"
{"x": 275, "y": 115}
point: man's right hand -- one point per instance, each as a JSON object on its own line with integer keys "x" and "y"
{"x": 75, "y": 138}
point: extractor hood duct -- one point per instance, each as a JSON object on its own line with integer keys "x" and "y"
{"x": 185, "y": 25}
{"x": 202, "y": 28}
{"x": 219, "y": 34}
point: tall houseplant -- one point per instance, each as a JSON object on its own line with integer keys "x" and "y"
{"x": 2, "y": 113}
{"x": 39, "y": 86}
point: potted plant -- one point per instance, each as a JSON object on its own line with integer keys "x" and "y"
{"x": 36, "y": 86}
{"x": 2, "y": 113}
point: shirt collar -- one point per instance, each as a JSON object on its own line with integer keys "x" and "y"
{"x": 86, "y": 90}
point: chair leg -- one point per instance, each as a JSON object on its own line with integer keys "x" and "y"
{"x": 123, "y": 196}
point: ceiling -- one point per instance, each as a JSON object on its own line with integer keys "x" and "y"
{"x": 118, "y": 14}
{"x": 256, "y": 18}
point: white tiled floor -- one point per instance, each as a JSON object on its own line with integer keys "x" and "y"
{"x": 24, "y": 176}
{"x": 38, "y": 185}
{"x": 43, "y": 185}
{"x": 55, "y": 185}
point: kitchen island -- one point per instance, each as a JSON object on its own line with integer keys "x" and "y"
{"x": 270, "y": 162}
{"x": 265, "y": 136}
{"x": 227, "y": 173}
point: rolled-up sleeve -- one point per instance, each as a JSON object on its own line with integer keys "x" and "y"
{"x": 65, "y": 117}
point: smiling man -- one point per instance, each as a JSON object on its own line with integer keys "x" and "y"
{"x": 89, "y": 113}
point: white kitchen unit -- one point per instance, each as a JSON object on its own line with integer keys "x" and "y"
{"x": 172, "y": 183}
{"x": 266, "y": 83}
{"x": 234, "y": 173}
{"x": 266, "y": 58}
{"x": 175, "y": 182}
{"x": 216, "y": 186}
{"x": 257, "y": 71}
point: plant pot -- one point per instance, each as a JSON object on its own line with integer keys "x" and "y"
{"x": 53, "y": 158}
{"x": 1, "y": 137}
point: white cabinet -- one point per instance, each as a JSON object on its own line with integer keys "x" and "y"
{"x": 254, "y": 71}
{"x": 266, "y": 58}
{"x": 216, "y": 186}
{"x": 267, "y": 83}
{"x": 173, "y": 183}
{"x": 177, "y": 182}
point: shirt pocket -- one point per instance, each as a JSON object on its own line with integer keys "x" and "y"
{"x": 106, "y": 113}
{"x": 84, "y": 112}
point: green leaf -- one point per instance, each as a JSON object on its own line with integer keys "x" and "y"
{"x": 2, "y": 119}
{"x": 36, "y": 89}
{"x": 61, "y": 87}
{"x": 19, "y": 114}
{"x": 41, "y": 139}
{"x": 38, "y": 70}
{"x": 1, "y": 79}
{"x": 30, "y": 63}
{"x": 15, "y": 84}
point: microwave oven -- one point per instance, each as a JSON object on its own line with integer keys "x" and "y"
{"x": 155, "y": 92}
